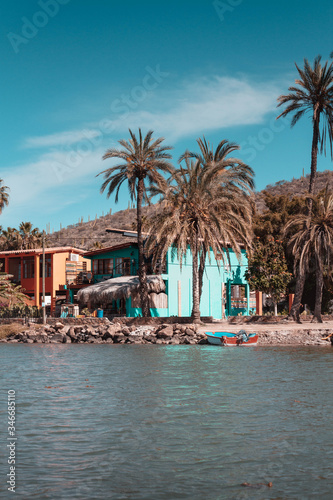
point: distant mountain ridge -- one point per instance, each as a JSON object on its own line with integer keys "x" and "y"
{"x": 85, "y": 234}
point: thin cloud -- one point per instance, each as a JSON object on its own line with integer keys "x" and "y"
{"x": 205, "y": 106}
{"x": 66, "y": 138}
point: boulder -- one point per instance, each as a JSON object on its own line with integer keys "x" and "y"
{"x": 58, "y": 338}
{"x": 119, "y": 337}
{"x": 189, "y": 332}
{"x": 165, "y": 333}
{"x": 58, "y": 325}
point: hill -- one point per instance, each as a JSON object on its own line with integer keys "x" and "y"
{"x": 85, "y": 234}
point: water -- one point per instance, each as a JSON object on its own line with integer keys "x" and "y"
{"x": 169, "y": 422}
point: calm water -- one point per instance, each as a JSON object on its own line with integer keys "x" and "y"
{"x": 169, "y": 422}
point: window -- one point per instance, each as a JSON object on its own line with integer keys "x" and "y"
{"x": 238, "y": 298}
{"x": 103, "y": 266}
{"x": 28, "y": 267}
{"x": 119, "y": 266}
{"x": 47, "y": 266}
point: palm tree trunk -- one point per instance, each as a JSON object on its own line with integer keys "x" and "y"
{"x": 202, "y": 270}
{"x": 144, "y": 298}
{"x": 319, "y": 293}
{"x": 314, "y": 157}
{"x": 195, "y": 282}
{"x": 300, "y": 281}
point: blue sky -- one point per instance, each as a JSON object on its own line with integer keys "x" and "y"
{"x": 76, "y": 74}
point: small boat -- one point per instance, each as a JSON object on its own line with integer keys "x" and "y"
{"x": 227, "y": 338}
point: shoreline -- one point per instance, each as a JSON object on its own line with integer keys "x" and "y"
{"x": 102, "y": 331}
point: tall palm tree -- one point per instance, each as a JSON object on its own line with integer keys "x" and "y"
{"x": 143, "y": 161}
{"x": 313, "y": 241}
{"x": 314, "y": 95}
{"x": 198, "y": 213}
{"x": 4, "y": 196}
{"x": 237, "y": 177}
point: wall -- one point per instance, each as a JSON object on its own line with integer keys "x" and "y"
{"x": 214, "y": 277}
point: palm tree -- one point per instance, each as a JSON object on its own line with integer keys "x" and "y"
{"x": 198, "y": 213}
{"x": 313, "y": 241}
{"x": 4, "y": 196}
{"x": 143, "y": 161}
{"x": 237, "y": 177}
{"x": 29, "y": 237}
{"x": 313, "y": 95}
{"x": 10, "y": 239}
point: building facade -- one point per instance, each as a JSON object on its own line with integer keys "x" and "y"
{"x": 63, "y": 266}
{"x": 225, "y": 290}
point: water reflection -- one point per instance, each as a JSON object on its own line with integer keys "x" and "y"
{"x": 167, "y": 422}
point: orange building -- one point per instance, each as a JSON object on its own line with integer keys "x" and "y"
{"x": 63, "y": 266}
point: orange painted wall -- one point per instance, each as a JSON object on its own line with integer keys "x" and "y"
{"x": 58, "y": 274}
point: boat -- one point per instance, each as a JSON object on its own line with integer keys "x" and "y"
{"x": 228, "y": 339}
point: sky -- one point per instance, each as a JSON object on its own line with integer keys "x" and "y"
{"x": 77, "y": 74}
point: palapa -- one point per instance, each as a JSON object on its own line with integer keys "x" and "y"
{"x": 117, "y": 288}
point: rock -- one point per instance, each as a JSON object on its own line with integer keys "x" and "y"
{"x": 165, "y": 333}
{"x": 41, "y": 338}
{"x": 58, "y": 325}
{"x": 57, "y": 338}
{"x": 72, "y": 334}
{"x": 160, "y": 341}
{"x": 65, "y": 329}
{"x": 189, "y": 332}
{"x": 203, "y": 341}
{"x": 119, "y": 337}
{"x": 125, "y": 330}
{"x": 28, "y": 341}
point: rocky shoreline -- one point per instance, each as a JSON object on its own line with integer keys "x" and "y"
{"x": 97, "y": 331}
{"x": 108, "y": 333}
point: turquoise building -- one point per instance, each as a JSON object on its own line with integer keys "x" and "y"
{"x": 225, "y": 290}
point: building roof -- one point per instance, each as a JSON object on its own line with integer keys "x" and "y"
{"x": 91, "y": 253}
{"x": 124, "y": 232}
{"x": 40, "y": 250}
{"x": 117, "y": 288}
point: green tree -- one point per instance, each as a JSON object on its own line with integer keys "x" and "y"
{"x": 312, "y": 241}
{"x": 143, "y": 162}
{"x": 313, "y": 95}
{"x": 198, "y": 213}
{"x": 4, "y": 196}
{"x": 267, "y": 269}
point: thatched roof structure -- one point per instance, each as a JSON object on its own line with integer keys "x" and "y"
{"x": 117, "y": 288}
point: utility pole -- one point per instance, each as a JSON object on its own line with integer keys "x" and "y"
{"x": 43, "y": 279}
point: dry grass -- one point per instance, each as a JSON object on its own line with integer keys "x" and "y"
{"x": 6, "y": 330}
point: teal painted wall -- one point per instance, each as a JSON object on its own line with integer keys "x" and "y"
{"x": 130, "y": 252}
{"x": 211, "y": 300}
{"x": 214, "y": 277}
